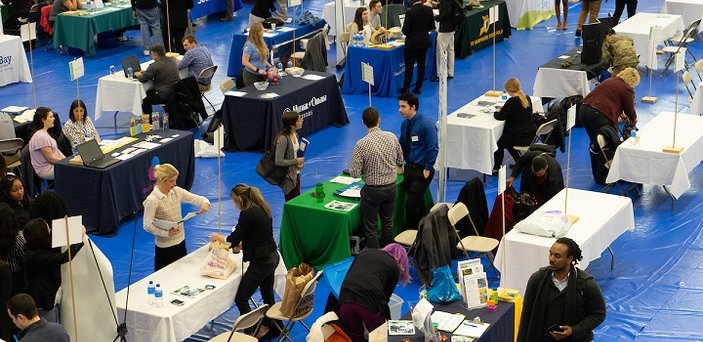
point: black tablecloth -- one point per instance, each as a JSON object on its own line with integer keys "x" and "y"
{"x": 475, "y": 32}
{"x": 592, "y": 70}
{"x": 251, "y": 123}
{"x": 106, "y": 196}
{"x": 502, "y": 322}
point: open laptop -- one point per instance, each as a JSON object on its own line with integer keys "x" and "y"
{"x": 131, "y": 62}
{"x": 93, "y": 156}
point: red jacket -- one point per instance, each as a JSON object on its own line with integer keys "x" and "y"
{"x": 612, "y": 98}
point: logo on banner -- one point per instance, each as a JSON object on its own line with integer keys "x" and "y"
{"x": 5, "y": 63}
{"x": 306, "y": 109}
{"x": 486, "y": 25}
{"x": 486, "y": 32}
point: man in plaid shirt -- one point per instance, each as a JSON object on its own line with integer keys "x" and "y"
{"x": 376, "y": 158}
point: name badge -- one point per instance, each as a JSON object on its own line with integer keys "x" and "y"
{"x": 414, "y": 138}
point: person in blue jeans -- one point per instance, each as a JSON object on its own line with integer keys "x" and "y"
{"x": 149, "y": 16}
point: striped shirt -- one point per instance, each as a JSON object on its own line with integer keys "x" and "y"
{"x": 15, "y": 254}
{"x": 376, "y": 157}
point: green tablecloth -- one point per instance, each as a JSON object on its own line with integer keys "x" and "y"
{"x": 319, "y": 236}
{"x": 79, "y": 31}
{"x": 476, "y": 32}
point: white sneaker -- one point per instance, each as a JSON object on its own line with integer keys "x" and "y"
{"x": 146, "y": 52}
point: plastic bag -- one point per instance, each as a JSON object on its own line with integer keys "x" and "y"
{"x": 443, "y": 288}
{"x": 552, "y": 223}
{"x": 218, "y": 264}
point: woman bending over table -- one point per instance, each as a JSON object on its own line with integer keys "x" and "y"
{"x": 43, "y": 149}
{"x": 79, "y": 128}
{"x": 164, "y": 203}
{"x": 519, "y": 128}
{"x": 255, "y": 55}
{"x": 287, "y": 146}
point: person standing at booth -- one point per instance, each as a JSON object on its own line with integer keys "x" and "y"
{"x": 149, "y": 16}
{"x": 589, "y": 8}
{"x": 286, "y": 155}
{"x": 419, "y": 21}
{"x": 451, "y": 15}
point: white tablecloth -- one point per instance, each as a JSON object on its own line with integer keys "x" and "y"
{"x": 176, "y": 323}
{"x": 328, "y": 13}
{"x": 525, "y": 14}
{"x": 471, "y": 142}
{"x": 638, "y": 27}
{"x": 644, "y": 162}
{"x": 689, "y": 10}
{"x": 13, "y": 61}
{"x": 560, "y": 83}
{"x": 602, "y": 219}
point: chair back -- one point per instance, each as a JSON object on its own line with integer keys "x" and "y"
{"x": 545, "y": 130}
{"x": 250, "y": 319}
{"x": 699, "y": 65}
{"x": 457, "y": 212}
{"x": 686, "y": 77}
{"x": 11, "y": 146}
{"x": 307, "y": 298}
{"x": 226, "y": 85}
{"x": 440, "y": 204}
{"x": 207, "y": 73}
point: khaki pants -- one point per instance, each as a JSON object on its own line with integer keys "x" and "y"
{"x": 445, "y": 41}
{"x": 590, "y": 8}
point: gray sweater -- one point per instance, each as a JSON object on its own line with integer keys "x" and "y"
{"x": 164, "y": 73}
{"x": 285, "y": 157}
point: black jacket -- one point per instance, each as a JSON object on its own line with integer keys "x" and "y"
{"x": 435, "y": 244}
{"x": 255, "y": 232}
{"x": 580, "y": 306}
{"x": 177, "y": 13}
{"x": 370, "y": 282}
{"x": 263, "y": 8}
{"x": 419, "y": 21}
{"x": 474, "y": 197}
{"x": 450, "y": 14}
{"x": 144, "y": 4}
{"x": 518, "y": 120}
{"x": 42, "y": 273}
{"x": 555, "y": 179}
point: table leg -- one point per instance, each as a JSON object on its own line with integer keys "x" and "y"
{"x": 612, "y": 258}
{"x": 673, "y": 199}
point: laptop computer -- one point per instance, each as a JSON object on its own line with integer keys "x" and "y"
{"x": 93, "y": 156}
{"x": 130, "y": 62}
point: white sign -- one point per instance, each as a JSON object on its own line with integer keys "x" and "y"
{"x": 570, "y": 117}
{"x": 76, "y": 68}
{"x": 501, "y": 180}
{"x": 493, "y": 14}
{"x": 367, "y": 73}
{"x": 58, "y": 231}
{"x": 220, "y": 136}
{"x": 292, "y": 3}
{"x": 680, "y": 60}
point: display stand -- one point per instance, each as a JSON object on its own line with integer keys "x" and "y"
{"x": 649, "y": 98}
{"x": 678, "y": 66}
{"x": 570, "y": 123}
{"x": 493, "y": 19}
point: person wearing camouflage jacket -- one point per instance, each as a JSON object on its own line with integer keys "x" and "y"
{"x": 618, "y": 52}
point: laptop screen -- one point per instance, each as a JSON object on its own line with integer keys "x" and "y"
{"x": 89, "y": 151}
{"x": 130, "y": 62}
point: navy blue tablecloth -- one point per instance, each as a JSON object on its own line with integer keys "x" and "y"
{"x": 239, "y": 38}
{"x": 251, "y": 123}
{"x": 388, "y": 69}
{"x": 105, "y": 196}
{"x": 502, "y": 322}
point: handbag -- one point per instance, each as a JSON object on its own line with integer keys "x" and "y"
{"x": 443, "y": 288}
{"x": 269, "y": 171}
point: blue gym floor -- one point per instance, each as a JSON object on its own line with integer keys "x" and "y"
{"x": 654, "y": 292}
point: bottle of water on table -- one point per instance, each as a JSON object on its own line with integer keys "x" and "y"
{"x": 158, "y": 296}
{"x": 130, "y": 72}
{"x": 112, "y": 69}
{"x": 150, "y": 292}
{"x": 290, "y": 63}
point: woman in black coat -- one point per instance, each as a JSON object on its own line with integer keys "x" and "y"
{"x": 519, "y": 128}
{"x": 174, "y": 20}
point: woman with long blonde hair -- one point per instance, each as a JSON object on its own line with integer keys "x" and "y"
{"x": 255, "y": 55}
{"x": 519, "y": 128}
{"x": 254, "y": 235}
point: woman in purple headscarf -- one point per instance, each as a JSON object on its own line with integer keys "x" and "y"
{"x": 368, "y": 286}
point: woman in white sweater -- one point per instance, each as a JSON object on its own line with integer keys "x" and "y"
{"x": 164, "y": 203}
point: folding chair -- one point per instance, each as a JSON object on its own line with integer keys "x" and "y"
{"x": 248, "y": 320}
{"x": 302, "y": 310}
{"x": 681, "y": 42}
{"x": 476, "y": 244}
{"x": 11, "y": 149}
{"x": 543, "y": 132}
{"x": 408, "y": 236}
{"x": 698, "y": 66}
{"x": 205, "y": 75}
{"x": 601, "y": 145}
{"x": 686, "y": 78}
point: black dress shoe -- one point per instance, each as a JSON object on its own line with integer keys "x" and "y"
{"x": 417, "y": 91}
{"x": 450, "y": 77}
{"x": 578, "y": 33}
{"x": 402, "y": 90}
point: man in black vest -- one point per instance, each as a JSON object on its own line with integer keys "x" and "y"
{"x": 419, "y": 21}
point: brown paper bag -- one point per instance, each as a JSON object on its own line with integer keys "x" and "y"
{"x": 296, "y": 279}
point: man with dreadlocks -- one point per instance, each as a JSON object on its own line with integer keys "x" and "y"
{"x": 562, "y": 302}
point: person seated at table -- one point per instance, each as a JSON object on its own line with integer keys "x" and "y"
{"x": 12, "y": 246}
{"x": 541, "y": 175}
{"x": 519, "y": 128}
{"x": 262, "y": 10}
{"x": 22, "y": 310}
{"x": 43, "y": 149}
{"x": 164, "y": 74}
{"x": 562, "y": 302}
{"x": 255, "y": 55}
{"x": 60, "y": 6}
{"x": 609, "y": 101}
{"x": 368, "y": 287}
{"x": 164, "y": 203}
{"x": 361, "y": 19}
{"x": 375, "y": 10}
{"x": 79, "y": 128}
{"x": 254, "y": 235}
{"x": 618, "y": 52}
{"x": 42, "y": 266}
{"x": 196, "y": 58}
{"x": 12, "y": 193}
{"x": 287, "y": 146}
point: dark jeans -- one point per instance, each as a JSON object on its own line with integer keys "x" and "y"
{"x": 592, "y": 121}
{"x": 620, "y": 6}
{"x": 165, "y": 256}
{"x": 355, "y": 317}
{"x": 375, "y": 201}
{"x": 415, "y": 185}
{"x": 506, "y": 143}
{"x": 412, "y": 56}
{"x": 151, "y": 98}
{"x": 260, "y": 274}
{"x": 295, "y": 192}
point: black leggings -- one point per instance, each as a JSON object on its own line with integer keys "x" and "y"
{"x": 592, "y": 120}
{"x": 260, "y": 274}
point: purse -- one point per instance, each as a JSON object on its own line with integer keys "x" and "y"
{"x": 269, "y": 171}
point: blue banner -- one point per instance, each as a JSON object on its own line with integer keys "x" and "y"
{"x": 203, "y": 8}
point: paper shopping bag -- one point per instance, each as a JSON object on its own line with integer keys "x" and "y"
{"x": 296, "y": 279}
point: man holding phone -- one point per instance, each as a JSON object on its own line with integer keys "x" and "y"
{"x": 562, "y": 302}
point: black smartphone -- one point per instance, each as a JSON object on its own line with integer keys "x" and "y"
{"x": 177, "y": 302}
{"x": 554, "y": 328}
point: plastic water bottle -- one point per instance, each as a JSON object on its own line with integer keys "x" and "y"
{"x": 358, "y": 39}
{"x": 634, "y": 137}
{"x": 158, "y": 296}
{"x": 130, "y": 72}
{"x": 112, "y": 69}
{"x": 279, "y": 66}
{"x": 150, "y": 292}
